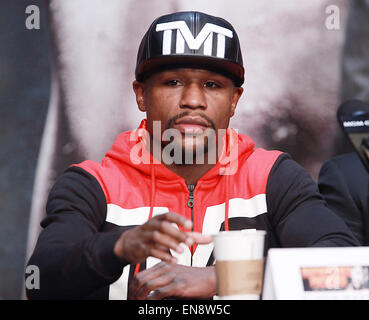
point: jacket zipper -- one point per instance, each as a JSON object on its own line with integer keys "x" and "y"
{"x": 190, "y": 204}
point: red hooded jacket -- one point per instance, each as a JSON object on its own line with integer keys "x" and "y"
{"x": 92, "y": 203}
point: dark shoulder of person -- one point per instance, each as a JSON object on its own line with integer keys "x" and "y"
{"x": 343, "y": 182}
{"x": 355, "y": 174}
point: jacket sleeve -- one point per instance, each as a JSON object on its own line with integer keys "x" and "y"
{"x": 299, "y": 214}
{"x": 344, "y": 196}
{"x": 74, "y": 257}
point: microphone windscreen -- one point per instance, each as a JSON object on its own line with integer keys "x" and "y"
{"x": 353, "y": 117}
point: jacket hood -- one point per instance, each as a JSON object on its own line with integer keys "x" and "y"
{"x": 235, "y": 146}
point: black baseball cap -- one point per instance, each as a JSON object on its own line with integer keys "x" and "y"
{"x": 190, "y": 39}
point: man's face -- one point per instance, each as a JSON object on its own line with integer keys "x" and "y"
{"x": 190, "y": 101}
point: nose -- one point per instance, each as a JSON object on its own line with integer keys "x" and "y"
{"x": 193, "y": 97}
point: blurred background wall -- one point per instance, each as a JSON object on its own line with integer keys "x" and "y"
{"x": 24, "y": 98}
{"x": 65, "y": 92}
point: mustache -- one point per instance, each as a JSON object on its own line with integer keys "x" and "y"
{"x": 171, "y": 121}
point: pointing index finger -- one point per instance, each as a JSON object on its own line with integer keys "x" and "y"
{"x": 176, "y": 218}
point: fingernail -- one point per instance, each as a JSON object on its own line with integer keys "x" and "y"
{"x": 188, "y": 225}
{"x": 179, "y": 249}
{"x": 189, "y": 241}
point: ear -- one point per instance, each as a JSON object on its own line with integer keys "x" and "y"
{"x": 139, "y": 89}
{"x": 237, "y": 93}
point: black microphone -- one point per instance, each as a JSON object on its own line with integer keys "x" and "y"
{"x": 353, "y": 117}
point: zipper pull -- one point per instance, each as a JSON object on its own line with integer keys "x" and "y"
{"x": 191, "y": 188}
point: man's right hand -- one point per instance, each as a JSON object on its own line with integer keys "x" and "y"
{"x": 156, "y": 237}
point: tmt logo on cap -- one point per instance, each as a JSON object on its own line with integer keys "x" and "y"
{"x": 205, "y": 36}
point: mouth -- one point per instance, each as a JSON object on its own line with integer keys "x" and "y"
{"x": 191, "y": 125}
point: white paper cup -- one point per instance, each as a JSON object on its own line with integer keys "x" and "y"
{"x": 239, "y": 263}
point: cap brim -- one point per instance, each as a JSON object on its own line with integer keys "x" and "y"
{"x": 225, "y": 67}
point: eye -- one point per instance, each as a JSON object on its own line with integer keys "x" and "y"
{"x": 211, "y": 84}
{"x": 172, "y": 83}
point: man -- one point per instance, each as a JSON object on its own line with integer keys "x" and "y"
{"x": 109, "y": 229}
{"x": 343, "y": 182}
